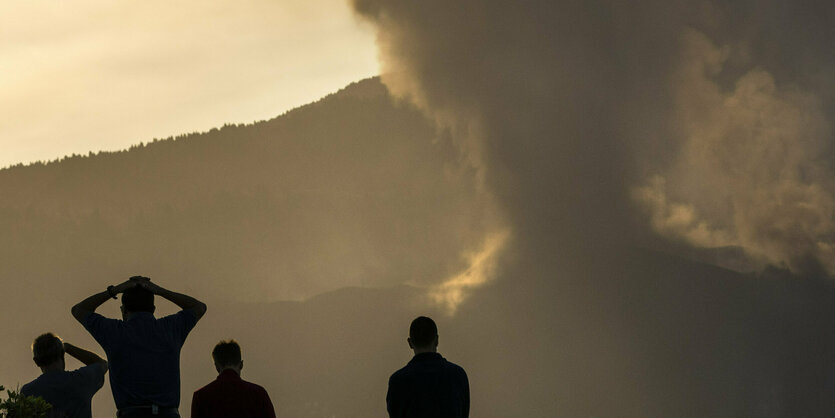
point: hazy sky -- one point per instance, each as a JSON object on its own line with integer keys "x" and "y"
{"x": 93, "y": 75}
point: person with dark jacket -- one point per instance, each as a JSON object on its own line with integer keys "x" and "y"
{"x": 143, "y": 351}
{"x": 229, "y": 395}
{"x": 428, "y": 386}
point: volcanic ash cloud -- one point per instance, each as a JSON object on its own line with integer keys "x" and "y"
{"x": 751, "y": 171}
{"x": 707, "y": 118}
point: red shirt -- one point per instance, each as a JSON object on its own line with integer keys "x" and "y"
{"x": 231, "y": 396}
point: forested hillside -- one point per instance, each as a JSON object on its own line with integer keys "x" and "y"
{"x": 340, "y": 192}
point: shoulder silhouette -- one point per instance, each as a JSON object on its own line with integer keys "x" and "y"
{"x": 69, "y": 392}
{"x": 229, "y": 395}
{"x": 429, "y": 385}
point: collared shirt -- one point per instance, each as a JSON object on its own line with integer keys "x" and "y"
{"x": 429, "y": 386}
{"x": 144, "y": 356}
{"x": 69, "y": 392}
{"x": 231, "y": 396}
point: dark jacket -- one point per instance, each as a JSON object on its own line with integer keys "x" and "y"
{"x": 429, "y": 386}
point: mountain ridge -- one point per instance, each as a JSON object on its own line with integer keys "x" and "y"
{"x": 353, "y": 179}
{"x": 368, "y": 87}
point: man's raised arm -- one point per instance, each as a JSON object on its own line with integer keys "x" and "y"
{"x": 179, "y": 299}
{"x": 82, "y": 355}
{"x": 89, "y": 305}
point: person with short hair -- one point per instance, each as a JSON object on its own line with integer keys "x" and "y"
{"x": 144, "y": 351}
{"x": 229, "y": 395}
{"x": 69, "y": 392}
{"x": 429, "y": 385}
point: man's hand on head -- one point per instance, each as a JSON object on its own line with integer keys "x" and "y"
{"x": 149, "y": 285}
{"x": 179, "y": 299}
{"x": 128, "y": 284}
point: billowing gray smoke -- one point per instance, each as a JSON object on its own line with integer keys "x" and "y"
{"x": 527, "y": 89}
{"x": 711, "y": 116}
{"x": 597, "y": 125}
{"x": 753, "y": 167}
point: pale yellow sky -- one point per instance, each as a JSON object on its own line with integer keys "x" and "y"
{"x": 92, "y": 75}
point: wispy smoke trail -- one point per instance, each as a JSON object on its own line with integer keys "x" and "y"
{"x": 480, "y": 270}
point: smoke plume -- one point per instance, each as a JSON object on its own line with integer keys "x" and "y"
{"x": 602, "y": 128}
{"x": 752, "y": 168}
{"x": 708, "y": 116}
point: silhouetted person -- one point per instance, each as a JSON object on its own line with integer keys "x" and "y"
{"x": 429, "y": 386}
{"x": 69, "y": 393}
{"x": 229, "y": 395}
{"x": 144, "y": 351}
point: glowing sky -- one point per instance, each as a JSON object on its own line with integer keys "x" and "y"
{"x": 94, "y": 75}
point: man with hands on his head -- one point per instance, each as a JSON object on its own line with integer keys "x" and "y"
{"x": 144, "y": 351}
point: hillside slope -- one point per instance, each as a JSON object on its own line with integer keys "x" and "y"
{"x": 354, "y": 189}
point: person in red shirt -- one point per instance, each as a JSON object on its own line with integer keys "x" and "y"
{"x": 229, "y": 395}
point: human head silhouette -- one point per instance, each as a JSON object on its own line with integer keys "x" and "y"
{"x": 137, "y": 299}
{"x": 423, "y": 335}
{"x": 48, "y": 351}
{"x": 227, "y": 355}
